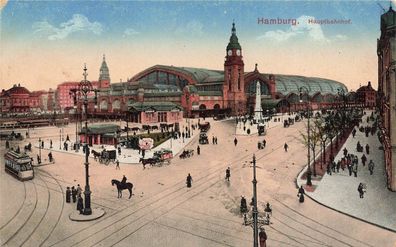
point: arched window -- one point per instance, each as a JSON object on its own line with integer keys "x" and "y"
{"x": 251, "y": 88}
{"x": 116, "y": 105}
{"x": 103, "y": 105}
{"x": 202, "y": 107}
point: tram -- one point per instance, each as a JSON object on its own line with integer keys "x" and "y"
{"x": 19, "y": 165}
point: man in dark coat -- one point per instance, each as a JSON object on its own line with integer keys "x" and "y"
{"x": 235, "y": 141}
{"x": 262, "y": 237}
{"x": 123, "y": 181}
{"x": 371, "y": 167}
{"x": 364, "y": 159}
{"x": 198, "y": 150}
{"x": 189, "y": 180}
{"x": 285, "y": 147}
{"x": 80, "y": 204}
{"x": 74, "y": 194}
{"x": 228, "y": 174}
{"x": 68, "y": 194}
{"x": 300, "y": 194}
{"x": 367, "y": 149}
{"x": 361, "y": 191}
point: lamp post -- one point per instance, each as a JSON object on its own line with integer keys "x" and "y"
{"x": 255, "y": 220}
{"x": 309, "y": 173}
{"x": 84, "y": 88}
{"x": 60, "y": 139}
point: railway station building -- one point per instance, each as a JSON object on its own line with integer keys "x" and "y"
{"x": 207, "y": 92}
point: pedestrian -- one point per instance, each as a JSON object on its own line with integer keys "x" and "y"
{"x": 361, "y": 190}
{"x": 328, "y": 169}
{"x": 300, "y": 194}
{"x": 213, "y": 140}
{"x": 50, "y": 157}
{"x": 367, "y": 149}
{"x": 364, "y": 159}
{"x": 198, "y": 150}
{"x": 79, "y": 190}
{"x": 74, "y": 194}
{"x": 338, "y": 166}
{"x": 228, "y": 174}
{"x": 371, "y": 167}
{"x": 80, "y": 204}
{"x": 349, "y": 165}
{"x": 264, "y": 142}
{"x": 263, "y": 237}
{"x": 68, "y": 195}
{"x": 118, "y": 165}
{"x": 50, "y": 143}
{"x": 345, "y": 152}
{"x": 353, "y": 132}
{"x": 285, "y": 147}
{"x": 38, "y": 159}
{"x": 235, "y": 141}
{"x": 119, "y": 150}
{"x": 354, "y": 169}
{"x": 243, "y": 207}
{"x": 216, "y": 140}
{"x": 189, "y": 181}
{"x": 42, "y": 144}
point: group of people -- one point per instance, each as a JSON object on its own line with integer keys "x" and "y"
{"x": 214, "y": 140}
{"x": 74, "y": 195}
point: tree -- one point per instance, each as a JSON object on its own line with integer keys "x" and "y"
{"x": 314, "y": 139}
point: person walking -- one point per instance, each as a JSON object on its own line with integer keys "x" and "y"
{"x": 228, "y": 174}
{"x": 285, "y": 147}
{"x": 74, "y": 194}
{"x": 367, "y": 149}
{"x": 68, "y": 195}
{"x": 361, "y": 190}
{"x": 79, "y": 190}
{"x": 364, "y": 159}
{"x": 349, "y": 165}
{"x": 262, "y": 237}
{"x": 198, "y": 150}
{"x": 80, "y": 204}
{"x": 189, "y": 181}
{"x": 51, "y": 143}
{"x": 264, "y": 142}
{"x": 118, "y": 165}
{"x": 235, "y": 141}
{"x": 300, "y": 194}
{"x": 371, "y": 167}
{"x": 50, "y": 158}
{"x": 354, "y": 169}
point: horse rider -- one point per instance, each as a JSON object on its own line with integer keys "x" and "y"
{"x": 123, "y": 181}
{"x": 228, "y": 174}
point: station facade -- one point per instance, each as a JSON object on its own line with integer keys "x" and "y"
{"x": 231, "y": 91}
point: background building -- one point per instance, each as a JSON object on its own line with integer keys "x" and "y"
{"x": 386, "y": 51}
{"x": 19, "y": 100}
{"x": 367, "y": 96}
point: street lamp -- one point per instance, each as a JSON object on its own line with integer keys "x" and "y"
{"x": 309, "y": 173}
{"x": 60, "y": 139}
{"x": 84, "y": 88}
{"x": 255, "y": 220}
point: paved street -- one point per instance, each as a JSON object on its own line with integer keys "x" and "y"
{"x": 163, "y": 211}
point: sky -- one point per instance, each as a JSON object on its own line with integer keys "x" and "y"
{"x": 44, "y": 43}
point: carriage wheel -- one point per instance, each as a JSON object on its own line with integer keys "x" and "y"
{"x": 107, "y": 162}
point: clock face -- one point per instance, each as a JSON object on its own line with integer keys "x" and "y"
{"x": 229, "y": 52}
{"x": 238, "y": 52}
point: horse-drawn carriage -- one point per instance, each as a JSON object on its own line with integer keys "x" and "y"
{"x": 186, "y": 154}
{"x": 204, "y": 127}
{"x": 203, "y": 138}
{"x": 106, "y": 156}
{"x": 159, "y": 158}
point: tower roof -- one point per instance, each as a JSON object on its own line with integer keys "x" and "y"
{"x": 104, "y": 70}
{"x": 388, "y": 19}
{"x": 233, "y": 44}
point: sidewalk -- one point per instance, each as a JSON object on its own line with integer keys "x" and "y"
{"x": 339, "y": 190}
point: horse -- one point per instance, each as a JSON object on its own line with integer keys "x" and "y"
{"x": 121, "y": 187}
{"x": 96, "y": 155}
{"x": 150, "y": 161}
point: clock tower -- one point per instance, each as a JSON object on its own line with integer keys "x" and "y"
{"x": 234, "y": 85}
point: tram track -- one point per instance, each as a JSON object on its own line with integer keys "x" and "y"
{"x": 166, "y": 195}
{"x": 19, "y": 209}
{"x": 14, "y": 234}
{"x": 212, "y": 176}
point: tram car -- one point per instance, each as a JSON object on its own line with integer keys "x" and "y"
{"x": 19, "y": 165}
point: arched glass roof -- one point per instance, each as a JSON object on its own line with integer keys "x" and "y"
{"x": 286, "y": 84}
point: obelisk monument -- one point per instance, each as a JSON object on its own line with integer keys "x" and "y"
{"x": 258, "y": 110}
